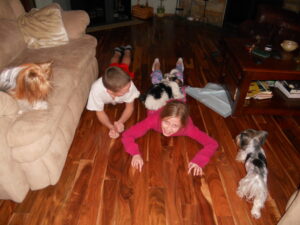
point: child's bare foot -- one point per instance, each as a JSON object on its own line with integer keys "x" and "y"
{"x": 156, "y": 65}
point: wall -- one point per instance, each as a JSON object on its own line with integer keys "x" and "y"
{"x": 42, "y": 3}
{"x": 65, "y": 4}
{"x": 214, "y": 12}
{"x": 170, "y": 5}
{"x": 215, "y": 9}
{"x": 293, "y": 5}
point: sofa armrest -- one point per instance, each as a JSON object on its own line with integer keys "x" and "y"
{"x": 291, "y": 215}
{"x": 75, "y": 22}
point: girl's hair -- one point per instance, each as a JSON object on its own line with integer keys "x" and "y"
{"x": 115, "y": 78}
{"x": 176, "y": 108}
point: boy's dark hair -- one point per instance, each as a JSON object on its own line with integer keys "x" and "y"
{"x": 115, "y": 78}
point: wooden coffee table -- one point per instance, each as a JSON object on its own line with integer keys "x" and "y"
{"x": 240, "y": 69}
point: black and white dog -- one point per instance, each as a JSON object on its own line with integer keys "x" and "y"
{"x": 254, "y": 185}
{"x": 158, "y": 95}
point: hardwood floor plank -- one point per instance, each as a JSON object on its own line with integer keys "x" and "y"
{"x": 157, "y": 211}
{"x": 140, "y": 199}
{"x": 84, "y": 140}
{"x": 205, "y": 212}
{"x": 7, "y": 208}
{"x": 110, "y": 188}
{"x": 125, "y": 195}
{"x": 69, "y": 213}
{"x": 90, "y": 211}
{"x": 173, "y": 212}
{"x": 155, "y": 162}
{"x": 18, "y": 219}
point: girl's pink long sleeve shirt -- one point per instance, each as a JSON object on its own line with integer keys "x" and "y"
{"x": 153, "y": 122}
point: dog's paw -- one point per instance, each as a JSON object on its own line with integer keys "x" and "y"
{"x": 40, "y": 105}
{"x": 240, "y": 193}
{"x": 255, "y": 213}
{"x": 178, "y": 96}
{"x": 241, "y": 156}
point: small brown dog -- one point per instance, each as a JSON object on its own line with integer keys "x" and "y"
{"x": 28, "y": 83}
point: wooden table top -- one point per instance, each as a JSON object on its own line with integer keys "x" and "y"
{"x": 237, "y": 47}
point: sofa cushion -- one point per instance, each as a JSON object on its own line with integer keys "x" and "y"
{"x": 11, "y": 41}
{"x": 13, "y": 183}
{"x": 17, "y": 7}
{"x": 68, "y": 57}
{"x": 11, "y": 9}
{"x": 8, "y": 104}
{"x": 28, "y": 127}
{"x": 78, "y": 17}
{"x": 6, "y": 11}
{"x": 43, "y": 28}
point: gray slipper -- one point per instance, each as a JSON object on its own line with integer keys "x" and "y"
{"x": 127, "y": 47}
{"x": 119, "y": 49}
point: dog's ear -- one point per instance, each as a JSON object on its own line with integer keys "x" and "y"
{"x": 242, "y": 140}
{"x": 179, "y": 82}
{"x": 166, "y": 75}
{"x": 262, "y": 136}
{"x": 142, "y": 97}
{"x": 46, "y": 65}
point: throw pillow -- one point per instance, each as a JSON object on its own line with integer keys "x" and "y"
{"x": 43, "y": 28}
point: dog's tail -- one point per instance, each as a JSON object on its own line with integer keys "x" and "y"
{"x": 253, "y": 185}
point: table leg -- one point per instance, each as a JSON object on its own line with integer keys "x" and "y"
{"x": 241, "y": 94}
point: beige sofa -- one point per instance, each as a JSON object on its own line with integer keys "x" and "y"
{"x": 35, "y": 144}
{"x": 292, "y": 210}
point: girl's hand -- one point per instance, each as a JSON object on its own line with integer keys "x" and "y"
{"x": 119, "y": 126}
{"x": 137, "y": 162}
{"x": 195, "y": 170}
{"x": 113, "y": 133}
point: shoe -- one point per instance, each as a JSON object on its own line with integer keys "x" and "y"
{"x": 118, "y": 49}
{"x": 127, "y": 47}
{"x": 156, "y": 61}
{"x": 179, "y": 64}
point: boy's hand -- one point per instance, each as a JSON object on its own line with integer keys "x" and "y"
{"x": 113, "y": 133}
{"x": 137, "y": 162}
{"x": 119, "y": 126}
{"x": 195, "y": 170}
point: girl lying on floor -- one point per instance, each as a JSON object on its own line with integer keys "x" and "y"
{"x": 171, "y": 120}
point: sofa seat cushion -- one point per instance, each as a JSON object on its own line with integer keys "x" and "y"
{"x": 9, "y": 106}
{"x": 11, "y": 41}
{"x": 36, "y": 128}
{"x": 13, "y": 183}
{"x": 69, "y": 56}
{"x": 6, "y": 11}
{"x": 17, "y": 7}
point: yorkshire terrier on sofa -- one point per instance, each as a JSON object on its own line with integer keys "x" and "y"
{"x": 29, "y": 84}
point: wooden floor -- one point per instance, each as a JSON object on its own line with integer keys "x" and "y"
{"x": 98, "y": 186}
